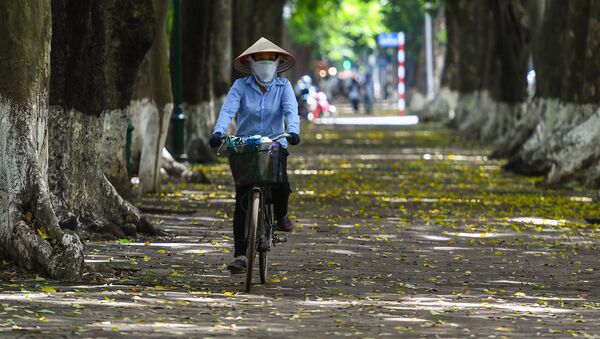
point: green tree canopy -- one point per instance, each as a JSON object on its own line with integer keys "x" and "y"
{"x": 338, "y": 28}
{"x": 408, "y": 16}
{"x": 348, "y": 28}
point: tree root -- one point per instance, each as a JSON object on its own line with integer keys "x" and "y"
{"x": 82, "y": 195}
{"x": 123, "y": 212}
{"x": 37, "y": 241}
{"x": 177, "y": 170}
{"x": 442, "y": 108}
{"x": 575, "y": 152}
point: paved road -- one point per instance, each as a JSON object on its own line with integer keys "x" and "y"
{"x": 401, "y": 231}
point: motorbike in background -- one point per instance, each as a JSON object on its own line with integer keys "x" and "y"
{"x": 312, "y": 105}
{"x": 322, "y": 108}
{"x": 303, "y": 88}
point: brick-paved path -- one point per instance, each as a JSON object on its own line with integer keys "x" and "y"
{"x": 402, "y": 231}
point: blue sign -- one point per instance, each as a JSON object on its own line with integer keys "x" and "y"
{"x": 390, "y": 39}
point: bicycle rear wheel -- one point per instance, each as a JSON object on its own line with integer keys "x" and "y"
{"x": 251, "y": 245}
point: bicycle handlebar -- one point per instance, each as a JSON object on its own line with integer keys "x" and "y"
{"x": 224, "y": 136}
{"x": 283, "y": 135}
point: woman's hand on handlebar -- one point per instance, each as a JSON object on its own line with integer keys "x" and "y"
{"x": 294, "y": 139}
{"x": 216, "y": 140}
{"x": 283, "y": 135}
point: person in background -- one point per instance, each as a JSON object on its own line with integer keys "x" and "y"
{"x": 263, "y": 104}
{"x": 369, "y": 93}
{"x": 354, "y": 94}
{"x": 303, "y": 91}
{"x": 326, "y": 86}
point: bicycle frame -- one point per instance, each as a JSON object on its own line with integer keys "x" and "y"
{"x": 259, "y": 226}
{"x": 259, "y": 232}
{"x": 266, "y": 218}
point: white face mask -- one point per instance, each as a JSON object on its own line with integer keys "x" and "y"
{"x": 264, "y": 70}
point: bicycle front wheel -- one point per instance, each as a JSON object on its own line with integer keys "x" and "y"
{"x": 263, "y": 260}
{"x": 251, "y": 245}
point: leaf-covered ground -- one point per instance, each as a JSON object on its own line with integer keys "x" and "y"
{"x": 401, "y": 231}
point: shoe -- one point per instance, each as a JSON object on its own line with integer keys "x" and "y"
{"x": 284, "y": 224}
{"x": 238, "y": 266}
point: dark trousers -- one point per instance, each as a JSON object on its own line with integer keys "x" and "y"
{"x": 355, "y": 105}
{"x": 280, "y": 195}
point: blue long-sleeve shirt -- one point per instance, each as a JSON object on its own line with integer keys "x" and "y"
{"x": 260, "y": 113}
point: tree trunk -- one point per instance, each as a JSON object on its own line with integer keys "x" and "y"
{"x": 114, "y": 139}
{"x": 206, "y": 70}
{"x": 443, "y": 106}
{"x": 152, "y": 103}
{"x": 418, "y": 94}
{"x": 525, "y": 118}
{"x": 97, "y": 47}
{"x": 494, "y": 46}
{"x": 577, "y": 152}
{"x": 564, "y": 143}
{"x": 29, "y": 231}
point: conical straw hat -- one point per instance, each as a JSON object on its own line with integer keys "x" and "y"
{"x": 264, "y": 45}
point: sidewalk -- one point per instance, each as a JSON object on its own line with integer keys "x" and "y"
{"x": 387, "y": 107}
{"x": 401, "y": 232}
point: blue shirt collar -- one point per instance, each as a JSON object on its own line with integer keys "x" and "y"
{"x": 249, "y": 80}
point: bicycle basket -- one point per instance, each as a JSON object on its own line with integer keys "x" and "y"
{"x": 256, "y": 164}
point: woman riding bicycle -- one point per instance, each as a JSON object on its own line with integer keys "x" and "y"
{"x": 262, "y": 104}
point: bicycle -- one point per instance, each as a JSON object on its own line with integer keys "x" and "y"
{"x": 260, "y": 168}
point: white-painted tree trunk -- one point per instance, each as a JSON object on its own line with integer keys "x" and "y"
{"x": 442, "y": 108}
{"x": 149, "y": 137}
{"x": 202, "y": 121}
{"x": 576, "y": 151}
{"x": 526, "y": 117}
{"x": 482, "y": 117}
{"x": 152, "y": 105}
{"x": 173, "y": 169}
{"x": 592, "y": 176}
{"x": 24, "y": 196}
{"x": 418, "y": 98}
{"x": 469, "y": 116}
{"x": 113, "y": 150}
{"x": 30, "y": 234}
{"x": 557, "y": 120}
{"x": 78, "y": 184}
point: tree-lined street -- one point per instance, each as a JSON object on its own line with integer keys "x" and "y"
{"x": 445, "y": 183}
{"x": 401, "y": 231}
